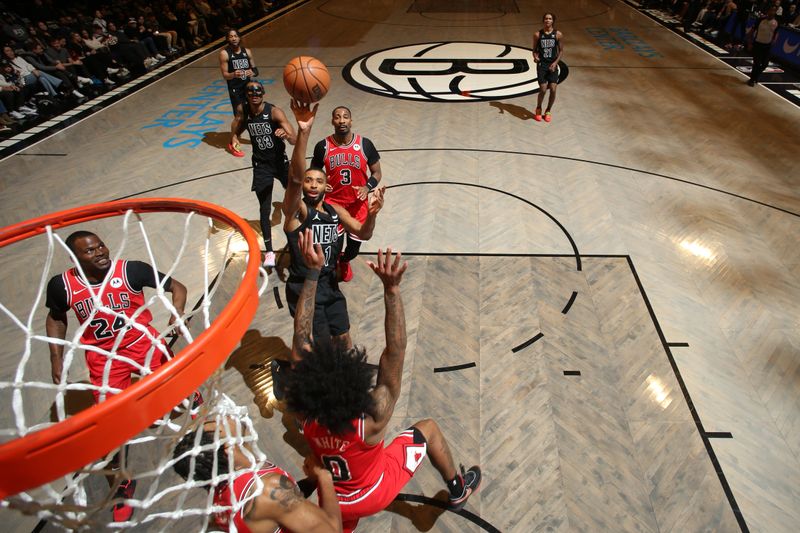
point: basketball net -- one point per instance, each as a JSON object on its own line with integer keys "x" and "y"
{"x": 83, "y": 499}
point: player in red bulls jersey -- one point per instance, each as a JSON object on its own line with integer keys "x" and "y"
{"x": 112, "y": 327}
{"x": 353, "y": 167}
{"x": 279, "y": 507}
{"x": 345, "y": 417}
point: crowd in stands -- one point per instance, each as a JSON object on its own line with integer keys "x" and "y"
{"x": 58, "y": 54}
{"x": 710, "y": 17}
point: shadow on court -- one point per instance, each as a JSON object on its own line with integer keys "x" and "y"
{"x": 514, "y": 110}
{"x": 253, "y": 359}
{"x": 220, "y": 139}
{"x": 422, "y": 515}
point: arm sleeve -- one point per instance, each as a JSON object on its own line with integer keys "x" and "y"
{"x": 369, "y": 149}
{"x": 56, "y": 295}
{"x": 140, "y": 275}
{"x": 318, "y": 161}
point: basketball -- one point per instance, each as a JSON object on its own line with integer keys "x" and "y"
{"x": 306, "y": 79}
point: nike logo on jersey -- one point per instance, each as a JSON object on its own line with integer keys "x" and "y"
{"x": 78, "y": 291}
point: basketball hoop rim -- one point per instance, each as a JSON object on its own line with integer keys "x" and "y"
{"x": 67, "y": 446}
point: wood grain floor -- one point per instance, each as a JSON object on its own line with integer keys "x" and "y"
{"x": 663, "y": 196}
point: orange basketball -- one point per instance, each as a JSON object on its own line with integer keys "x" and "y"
{"x": 306, "y": 79}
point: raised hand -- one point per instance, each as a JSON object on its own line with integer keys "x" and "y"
{"x": 304, "y": 114}
{"x": 312, "y": 253}
{"x": 390, "y": 271}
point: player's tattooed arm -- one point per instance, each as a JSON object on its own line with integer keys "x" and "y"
{"x": 390, "y": 269}
{"x": 286, "y": 493}
{"x": 314, "y": 260}
{"x": 282, "y": 502}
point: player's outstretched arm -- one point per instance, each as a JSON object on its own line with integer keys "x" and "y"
{"x": 304, "y": 114}
{"x": 351, "y": 224}
{"x": 56, "y": 327}
{"x": 304, "y": 314}
{"x": 390, "y": 269}
{"x": 282, "y": 502}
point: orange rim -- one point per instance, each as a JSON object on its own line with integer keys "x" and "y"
{"x": 67, "y": 446}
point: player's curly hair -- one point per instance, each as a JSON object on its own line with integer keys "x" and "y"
{"x": 331, "y": 385}
{"x": 204, "y": 461}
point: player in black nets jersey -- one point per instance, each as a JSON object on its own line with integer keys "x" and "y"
{"x": 237, "y": 66}
{"x": 548, "y": 45}
{"x": 268, "y": 128}
{"x": 304, "y": 207}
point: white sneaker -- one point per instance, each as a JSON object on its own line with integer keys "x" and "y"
{"x": 16, "y": 115}
{"x": 112, "y": 71}
{"x": 109, "y": 82}
{"x": 25, "y": 108}
{"x": 29, "y": 113}
{"x": 269, "y": 259}
{"x": 160, "y": 57}
{"x": 78, "y": 94}
{"x": 84, "y": 81}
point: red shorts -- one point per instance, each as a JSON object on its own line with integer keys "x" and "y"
{"x": 119, "y": 375}
{"x": 358, "y": 210}
{"x": 402, "y": 457}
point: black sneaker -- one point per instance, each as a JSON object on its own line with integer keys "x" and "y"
{"x": 471, "y": 480}
{"x": 122, "y": 512}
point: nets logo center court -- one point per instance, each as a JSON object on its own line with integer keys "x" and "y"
{"x": 446, "y": 72}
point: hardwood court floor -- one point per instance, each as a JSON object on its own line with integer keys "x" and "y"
{"x": 676, "y": 184}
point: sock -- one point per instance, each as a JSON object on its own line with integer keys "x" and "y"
{"x": 456, "y": 486}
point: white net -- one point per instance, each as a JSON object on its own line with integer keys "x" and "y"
{"x": 210, "y": 260}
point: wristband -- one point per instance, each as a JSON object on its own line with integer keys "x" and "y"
{"x": 372, "y": 183}
{"x": 255, "y": 71}
{"x": 312, "y": 275}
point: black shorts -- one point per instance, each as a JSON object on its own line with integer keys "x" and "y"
{"x": 545, "y": 75}
{"x": 330, "y": 311}
{"x": 264, "y": 173}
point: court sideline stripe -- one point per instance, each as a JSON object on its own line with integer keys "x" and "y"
{"x": 737, "y": 512}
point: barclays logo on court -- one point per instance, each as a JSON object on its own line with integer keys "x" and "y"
{"x": 446, "y": 72}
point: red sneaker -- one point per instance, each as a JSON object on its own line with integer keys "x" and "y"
{"x": 345, "y": 271}
{"x": 548, "y": 117}
{"x": 234, "y": 149}
{"x": 537, "y": 115}
{"x": 122, "y": 512}
{"x": 197, "y": 401}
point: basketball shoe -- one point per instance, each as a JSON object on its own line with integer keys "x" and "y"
{"x": 345, "y": 271}
{"x": 470, "y": 480}
{"x": 537, "y": 115}
{"x": 122, "y": 512}
{"x": 548, "y": 117}
{"x": 197, "y": 401}
{"x": 234, "y": 149}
